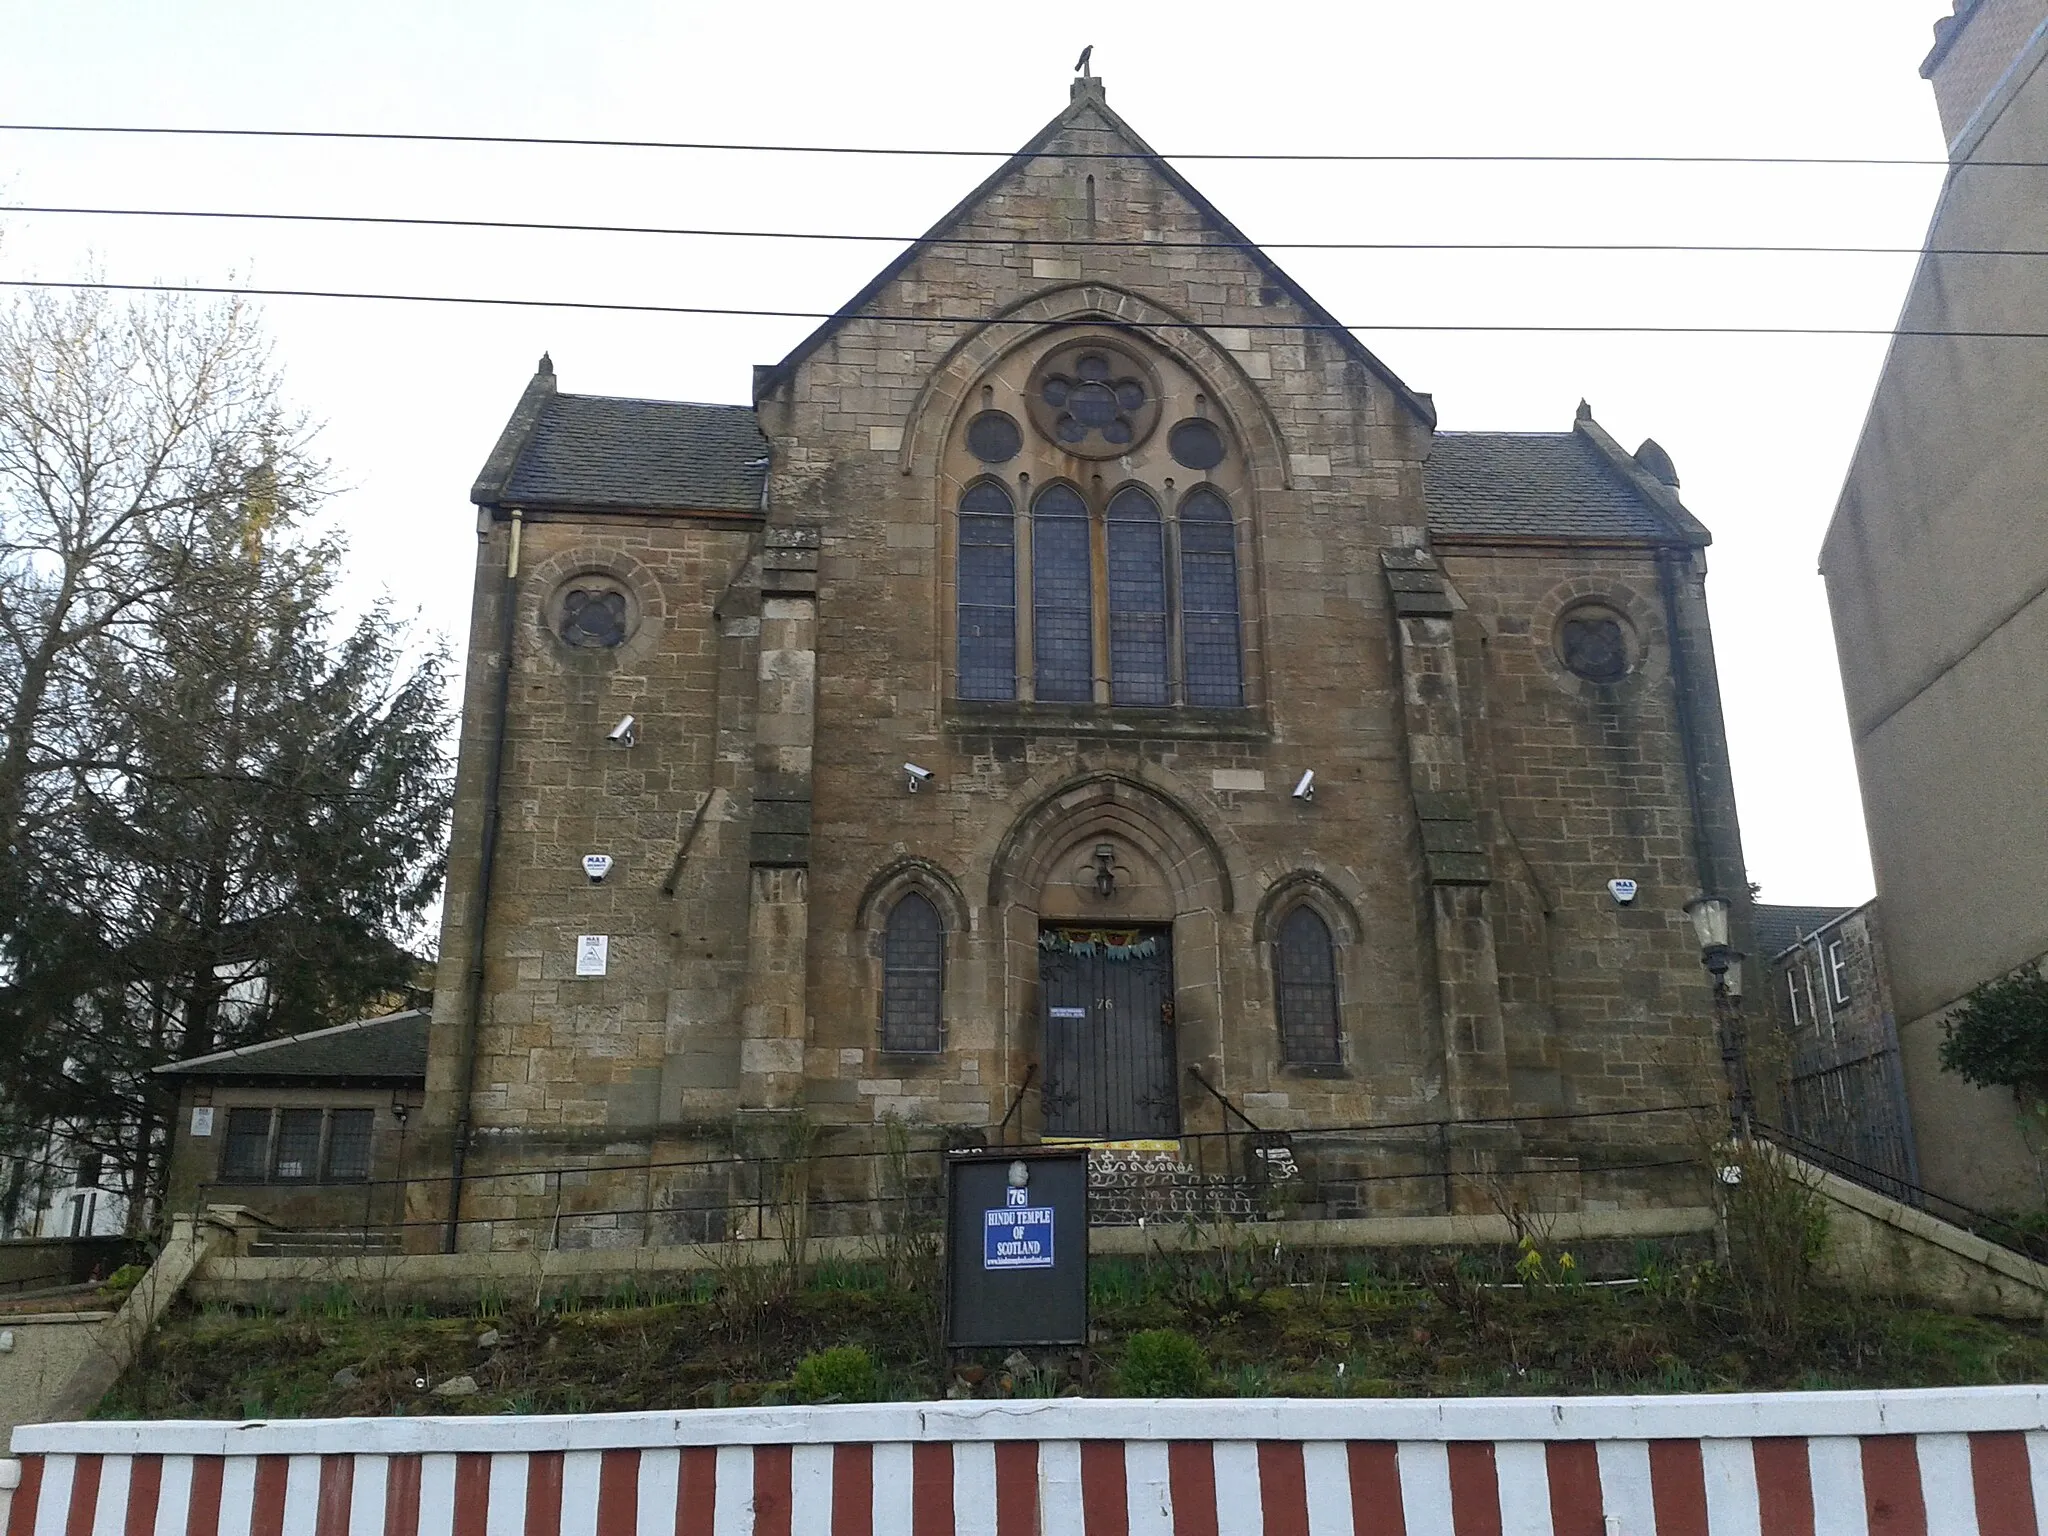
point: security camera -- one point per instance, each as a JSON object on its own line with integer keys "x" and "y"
{"x": 622, "y": 733}
{"x": 914, "y": 776}
{"x": 1623, "y": 891}
{"x": 1306, "y": 789}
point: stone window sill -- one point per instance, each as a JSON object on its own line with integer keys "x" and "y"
{"x": 1307, "y": 1069}
{"x": 1015, "y": 717}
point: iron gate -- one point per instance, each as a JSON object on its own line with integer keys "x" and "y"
{"x": 1110, "y": 1062}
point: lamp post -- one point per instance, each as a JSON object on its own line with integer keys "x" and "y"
{"x": 1709, "y": 916}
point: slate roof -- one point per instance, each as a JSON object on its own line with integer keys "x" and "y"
{"x": 390, "y": 1049}
{"x": 600, "y": 451}
{"x": 1548, "y": 485}
{"x": 1778, "y": 928}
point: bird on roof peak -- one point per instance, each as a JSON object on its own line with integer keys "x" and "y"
{"x": 1081, "y": 64}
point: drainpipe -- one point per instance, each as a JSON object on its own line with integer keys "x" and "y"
{"x": 1688, "y": 724}
{"x": 487, "y": 857}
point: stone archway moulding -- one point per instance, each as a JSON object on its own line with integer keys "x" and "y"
{"x": 1315, "y": 889}
{"x": 1189, "y": 854}
{"x": 939, "y": 402}
{"x": 913, "y": 874}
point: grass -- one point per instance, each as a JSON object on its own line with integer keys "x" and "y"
{"x": 1267, "y": 1323}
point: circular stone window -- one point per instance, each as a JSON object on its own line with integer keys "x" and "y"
{"x": 593, "y": 612}
{"x": 994, "y": 437}
{"x": 1094, "y": 400}
{"x": 1596, "y": 643}
{"x": 1196, "y": 443}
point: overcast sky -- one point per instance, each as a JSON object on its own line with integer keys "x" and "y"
{"x": 414, "y": 395}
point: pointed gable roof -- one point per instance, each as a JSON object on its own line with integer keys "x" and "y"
{"x": 1088, "y": 99}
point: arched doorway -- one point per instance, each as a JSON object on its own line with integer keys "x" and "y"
{"x": 1113, "y": 886}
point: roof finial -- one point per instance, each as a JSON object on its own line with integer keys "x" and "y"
{"x": 1585, "y": 412}
{"x": 1081, "y": 64}
{"x": 547, "y": 365}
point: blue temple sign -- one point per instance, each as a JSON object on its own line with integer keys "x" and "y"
{"x": 1007, "y": 1284}
{"x": 1017, "y": 1237}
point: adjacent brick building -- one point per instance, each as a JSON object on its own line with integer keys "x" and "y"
{"x": 1083, "y": 694}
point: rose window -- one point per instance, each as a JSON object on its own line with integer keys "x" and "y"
{"x": 593, "y": 616}
{"x": 1094, "y": 401}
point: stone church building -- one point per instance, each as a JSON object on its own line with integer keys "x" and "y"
{"x": 1083, "y": 695}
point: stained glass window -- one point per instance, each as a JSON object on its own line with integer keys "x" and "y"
{"x": 988, "y": 593}
{"x": 913, "y": 975}
{"x": 1137, "y": 599}
{"x": 1208, "y": 600}
{"x": 594, "y": 616}
{"x": 1595, "y": 646}
{"x": 994, "y": 437}
{"x": 1062, "y": 609}
{"x": 1196, "y": 443}
{"x": 1305, "y": 967}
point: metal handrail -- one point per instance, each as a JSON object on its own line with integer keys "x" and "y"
{"x": 1881, "y": 1181}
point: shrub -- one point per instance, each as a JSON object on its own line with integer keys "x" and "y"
{"x": 1998, "y": 1038}
{"x": 1777, "y": 1233}
{"x": 1162, "y": 1362}
{"x": 842, "y": 1374}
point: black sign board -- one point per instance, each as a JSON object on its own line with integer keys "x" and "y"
{"x": 1016, "y": 1247}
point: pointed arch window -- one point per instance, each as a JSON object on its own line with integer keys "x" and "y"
{"x": 913, "y": 976}
{"x": 1062, "y": 599}
{"x": 1210, "y": 659}
{"x": 1305, "y": 975}
{"x": 988, "y": 593}
{"x": 1137, "y": 599}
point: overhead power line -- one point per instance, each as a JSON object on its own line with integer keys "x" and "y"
{"x": 1520, "y": 246}
{"x": 1314, "y": 156}
{"x": 619, "y": 307}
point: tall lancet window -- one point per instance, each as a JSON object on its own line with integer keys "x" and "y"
{"x": 988, "y": 593}
{"x": 913, "y": 976}
{"x": 1211, "y": 662}
{"x": 1305, "y": 967}
{"x": 1062, "y": 607}
{"x": 1137, "y": 599}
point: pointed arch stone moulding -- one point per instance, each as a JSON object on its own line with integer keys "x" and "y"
{"x": 1154, "y": 821}
{"x": 1058, "y": 310}
{"x": 912, "y": 874}
{"x": 1311, "y": 888}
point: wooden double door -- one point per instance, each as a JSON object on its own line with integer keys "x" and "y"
{"x": 1111, "y": 1062}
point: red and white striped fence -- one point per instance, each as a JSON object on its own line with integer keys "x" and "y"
{"x": 1970, "y": 1462}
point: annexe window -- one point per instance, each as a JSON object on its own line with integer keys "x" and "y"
{"x": 1214, "y": 670}
{"x": 988, "y": 593}
{"x": 913, "y": 976}
{"x": 348, "y": 1146}
{"x": 245, "y": 1156}
{"x": 310, "y": 1145}
{"x": 297, "y": 1157}
{"x": 1305, "y": 972}
{"x": 1062, "y": 597}
{"x": 1137, "y": 599}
